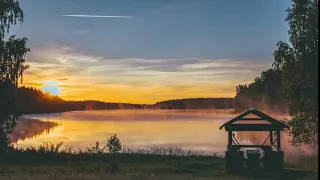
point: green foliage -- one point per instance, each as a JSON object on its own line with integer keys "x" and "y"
{"x": 32, "y": 100}
{"x": 10, "y": 13}
{"x": 114, "y": 144}
{"x": 12, "y": 66}
{"x": 293, "y": 80}
{"x": 41, "y": 164}
{"x": 155, "y": 161}
{"x": 194, "y": 103}
{"x": 298, "y": 64}
{"x": 46, "y": 148}
{"x": 96, "y": 149}
{"x": 114, "y": 168}
{"x": 265, "y": 91}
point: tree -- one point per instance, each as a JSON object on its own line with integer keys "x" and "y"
{"x": 298, "y": 64}
{"x": 265, "y": 91}
{"x": 12, "y": 66}
{"x": 114, "y": 144}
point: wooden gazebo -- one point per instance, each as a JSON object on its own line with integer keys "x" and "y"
{"x": 272, "y": 158}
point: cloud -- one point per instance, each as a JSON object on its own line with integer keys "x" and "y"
{"x": 34, "y": 83}
{"x": 94, "y": 16}
{"x": 51, "y": 55}
{"x": 63, "y": 79}
{"x": 230, "y": 64}
{"x": 87, "y": 76}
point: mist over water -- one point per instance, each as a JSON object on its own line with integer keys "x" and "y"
{"x": 188, "y": 129}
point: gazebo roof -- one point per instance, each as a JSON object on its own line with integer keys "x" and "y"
{"x": 274, "y": 125}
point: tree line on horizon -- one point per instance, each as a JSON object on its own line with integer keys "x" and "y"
{"x": 265, "y": 93}
{"x": 35, "y": 101}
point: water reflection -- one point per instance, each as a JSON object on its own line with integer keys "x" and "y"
{"x": 189, "y": 129}
{"x": 31, "y": 128}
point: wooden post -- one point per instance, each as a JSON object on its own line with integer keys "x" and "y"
{"x": 278, "y": 141}
{"x": 229, "y": 140}
{"x": 271, "y": 138}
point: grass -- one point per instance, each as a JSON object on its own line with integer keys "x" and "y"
{"x": 54, "y": 162}
{"x": 302, "y": 161}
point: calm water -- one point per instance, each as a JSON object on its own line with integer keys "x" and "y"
{"x": 191, "y": 129}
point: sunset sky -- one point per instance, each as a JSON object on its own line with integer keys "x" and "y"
{"x": 144, "y": 51}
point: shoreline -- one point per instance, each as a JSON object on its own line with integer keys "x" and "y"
{"x": 44, "y": 163}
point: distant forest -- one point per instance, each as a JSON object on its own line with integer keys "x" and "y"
{"x": 32, "y": 100}
{"x": 195, "y": 103}
{"x": 265, "y": 93}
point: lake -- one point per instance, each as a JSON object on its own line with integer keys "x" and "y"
{"x": 187, "y": 129}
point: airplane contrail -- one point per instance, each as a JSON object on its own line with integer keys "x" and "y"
{"x": 94, "y": 16}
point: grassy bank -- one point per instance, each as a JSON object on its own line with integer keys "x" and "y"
{"x": 49, "y": 162}
{"x": 302, "y": 161}
{"x": 130, "y": 167}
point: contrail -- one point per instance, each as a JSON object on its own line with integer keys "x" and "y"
{"x": 95, "y": 16}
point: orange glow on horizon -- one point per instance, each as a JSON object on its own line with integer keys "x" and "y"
{"x": 135, "y": 95}
{"x": 77, "y": 76}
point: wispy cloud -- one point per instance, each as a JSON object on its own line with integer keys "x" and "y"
{"x": 94, "y": 16}
{"x": 87, "y": 76}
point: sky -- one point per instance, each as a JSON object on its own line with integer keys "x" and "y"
{"x": 145, "y": 51}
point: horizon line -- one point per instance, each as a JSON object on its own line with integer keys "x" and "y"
{"x": 149, "y": 103}
{"x": 66, "y": 99}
